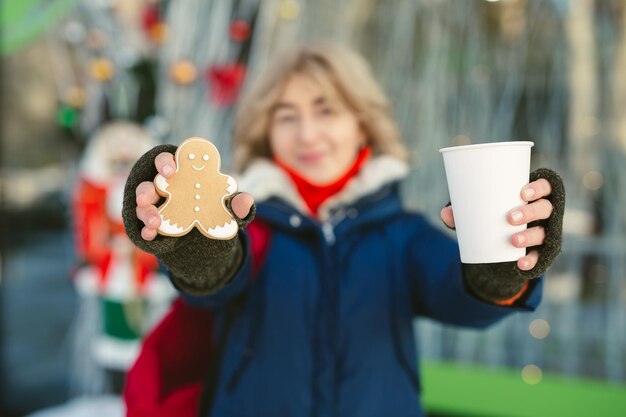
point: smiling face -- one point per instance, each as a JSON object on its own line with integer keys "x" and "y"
{"x": 317, "y": 136}
{"x": 198, "y": 154}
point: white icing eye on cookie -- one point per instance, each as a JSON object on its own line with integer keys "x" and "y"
{"x": 205, "y": 157}
{"x": 192, "y": 156}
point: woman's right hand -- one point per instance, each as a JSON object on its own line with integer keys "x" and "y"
{"x": 147, "y": 198}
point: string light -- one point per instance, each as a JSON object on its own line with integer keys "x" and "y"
{"x": 101, "y": 69}
{"x": 288, "y": 9}
{"x": 539, "y": 329}
{"x": 593, "y": 180}
{"x": 531, "y": 374}
{"x": 183, "y": 72}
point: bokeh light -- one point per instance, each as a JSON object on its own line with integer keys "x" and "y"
{"x": 531, "y": 374}
{"x": 288, "y": 9}
{"x": 593, "y": 180}
{"x": 539, "y": 328}
{"x": 101, "y": 69}
{"x": 183, "y": 72}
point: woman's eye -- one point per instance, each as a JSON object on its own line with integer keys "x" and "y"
{"x": 205, "y": 157}
{"x": 285, "y": 118}
{"x": 325, "y": 111}
{"x": 192, "y": 156}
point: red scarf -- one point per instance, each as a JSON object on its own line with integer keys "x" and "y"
{"x": 314, "y": 195}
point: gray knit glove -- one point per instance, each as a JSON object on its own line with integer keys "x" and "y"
{"x": 198, "y": 265}
{"x": 503, "y": 280}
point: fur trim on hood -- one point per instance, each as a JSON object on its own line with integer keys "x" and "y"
{"x": 265, "y": 180}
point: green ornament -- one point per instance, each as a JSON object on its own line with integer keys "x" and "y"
{"x": 67, "y": 116}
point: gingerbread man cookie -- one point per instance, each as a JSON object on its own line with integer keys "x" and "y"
{"x": 196, "y": 192}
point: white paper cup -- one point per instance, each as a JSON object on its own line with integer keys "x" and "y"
{"x": 485, "y": 183}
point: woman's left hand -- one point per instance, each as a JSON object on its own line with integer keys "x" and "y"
{"x": 538, "y": 208}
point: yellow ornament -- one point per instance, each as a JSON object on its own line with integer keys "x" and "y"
{"x": 158, "y": 32}
{"x": 101, "y": 69}
{"x": 288, "y": 9}
{"x": 75, "y": 97}
{"x": 183, "y": 72}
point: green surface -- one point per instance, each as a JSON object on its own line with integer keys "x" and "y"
{"x": 463, "y": 390}
{"x": 12, "y": 10}
{"x": 23, "y": 21}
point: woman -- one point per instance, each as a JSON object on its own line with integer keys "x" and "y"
{"x": 325, "y": 308}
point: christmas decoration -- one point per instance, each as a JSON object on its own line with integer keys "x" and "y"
{"x": 125, "y": 280}
{"x": 224, "y": 82}
{"x": 239, "y": 30}
{"x": 67, "y": 116}
{"x": 101, "y": 69}
{"x": 288, "y": 9}
{"x": 456, "y": 72}
{"x": 153, "y": 24}
{"x": 183, "y": 72}
{"x": 75, "y": 97}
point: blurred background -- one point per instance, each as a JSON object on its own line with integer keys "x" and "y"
{"x": 89, "y": 85}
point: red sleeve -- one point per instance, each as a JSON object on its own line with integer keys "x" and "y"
{"x": 168, "y": 376}
{"x": 260, "y": 234}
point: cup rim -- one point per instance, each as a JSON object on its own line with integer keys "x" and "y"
{"x": 486, "y": 145}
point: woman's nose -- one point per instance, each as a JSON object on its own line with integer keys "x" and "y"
{"x": 309, "y": 130}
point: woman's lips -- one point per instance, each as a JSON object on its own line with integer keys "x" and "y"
{"x": 311, "y": 157}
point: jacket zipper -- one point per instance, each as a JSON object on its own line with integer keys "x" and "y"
{"x": 329, "y": 233}
{"x": 328, "y": 227}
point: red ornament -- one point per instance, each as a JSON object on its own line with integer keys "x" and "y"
{"x": 225, "y": 82}
{"x": 153, "y": 25}
{"x": 151, "y": 17}
{"x": 239, "y": 30}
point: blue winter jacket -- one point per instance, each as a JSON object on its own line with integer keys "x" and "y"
{"x": 326, "y": 328}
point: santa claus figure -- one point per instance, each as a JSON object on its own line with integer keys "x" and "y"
{"x": 122, "y": 282}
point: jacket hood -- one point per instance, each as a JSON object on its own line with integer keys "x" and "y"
{"x": 264, "y": 180}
